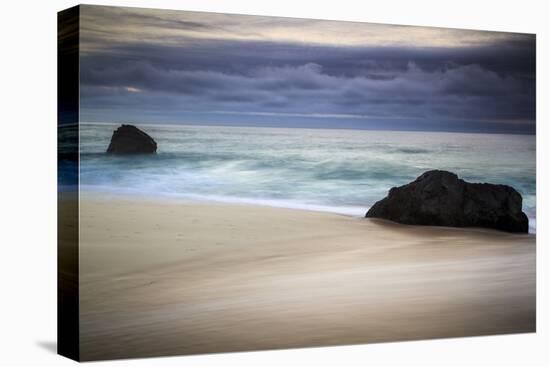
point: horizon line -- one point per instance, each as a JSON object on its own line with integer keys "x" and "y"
{"x": 299, "y": 127}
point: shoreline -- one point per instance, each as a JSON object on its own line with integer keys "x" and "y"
{"x": 181, "y": 278}
{"x": 348, "y": 211}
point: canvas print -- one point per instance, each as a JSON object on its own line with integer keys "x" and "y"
{"x": 233, "y": 182}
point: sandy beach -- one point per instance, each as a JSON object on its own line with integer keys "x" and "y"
{"x": 165, "y": 278}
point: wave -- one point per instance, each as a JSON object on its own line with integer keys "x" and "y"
{"x": 412, "y": 150}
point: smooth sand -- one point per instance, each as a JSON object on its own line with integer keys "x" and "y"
{"x": 161, "y": 278}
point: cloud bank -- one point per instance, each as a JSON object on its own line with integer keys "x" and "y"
{"x": 486, "y": 85}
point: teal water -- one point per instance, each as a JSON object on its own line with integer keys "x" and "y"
{"x": 342, "y": 171}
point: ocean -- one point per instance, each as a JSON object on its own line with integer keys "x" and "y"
{"x": 340, "y": 171}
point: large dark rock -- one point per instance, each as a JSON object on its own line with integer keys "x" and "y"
{"x": 440, "y": 198}
{"x": 128, "y": 139}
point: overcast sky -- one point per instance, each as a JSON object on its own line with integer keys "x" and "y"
{"x": 158, "y": 66}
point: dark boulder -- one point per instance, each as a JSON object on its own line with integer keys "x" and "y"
{"x": 440, "y": 198}
{"x": 128, "y": 139}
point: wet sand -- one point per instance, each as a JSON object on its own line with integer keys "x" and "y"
{"x": 165, "y": 278}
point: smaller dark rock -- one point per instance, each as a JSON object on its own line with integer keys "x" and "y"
{"x": 128, "y": 139}
{"x": 440, "y": 198}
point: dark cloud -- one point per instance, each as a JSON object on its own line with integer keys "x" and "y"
{"x": 505, "y": 58}
{"x": 482, "y": 88}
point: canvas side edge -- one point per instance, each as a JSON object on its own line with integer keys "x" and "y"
{"x": 68, "y": 341}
